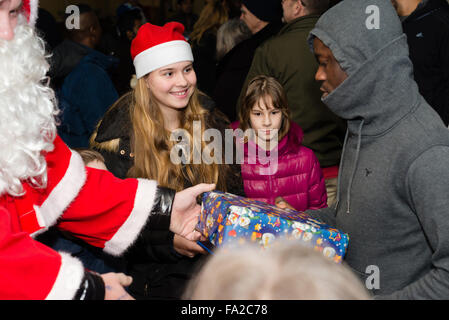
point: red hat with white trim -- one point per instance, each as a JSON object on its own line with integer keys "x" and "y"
{"x": 30, "y": 10}
{"x": 155, "y": 47}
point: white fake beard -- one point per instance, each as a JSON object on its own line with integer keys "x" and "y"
{"x": 27, "y": 111}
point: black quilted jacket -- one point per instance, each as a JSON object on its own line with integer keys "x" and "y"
{"x": 159, "y": 272}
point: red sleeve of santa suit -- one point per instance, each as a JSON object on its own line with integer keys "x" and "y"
{"x": 109, "y": 212}
{"x": 92, "y": 204}
{"x": 30, "y": 270}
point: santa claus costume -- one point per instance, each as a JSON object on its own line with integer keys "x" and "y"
{"x": 43, "y": 183}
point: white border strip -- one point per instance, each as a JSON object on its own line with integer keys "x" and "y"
{"x": 162, "y": 55}
{"x": 34, "y": 4}
{"x": 68, "y": 280}
{"x": 63, "y": 193}
{"x": 128, "y": 232}
{"x": 40, "y": 220}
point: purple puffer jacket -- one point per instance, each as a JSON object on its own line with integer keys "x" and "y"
{"x": 298, "y": 178}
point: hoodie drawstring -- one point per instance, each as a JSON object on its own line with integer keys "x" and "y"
{"x": 359, "y": 141}
{"x": 340, "y": 166}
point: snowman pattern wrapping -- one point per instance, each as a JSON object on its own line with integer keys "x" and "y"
{"x": 229, "y": 219}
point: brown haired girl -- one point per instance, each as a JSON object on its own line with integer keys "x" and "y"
{"x": 290, "y": 170}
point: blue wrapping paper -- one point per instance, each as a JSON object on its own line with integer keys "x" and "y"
{"x": 229, "y": 219}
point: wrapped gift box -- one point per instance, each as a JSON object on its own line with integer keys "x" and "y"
{"x": 229, "y": 219}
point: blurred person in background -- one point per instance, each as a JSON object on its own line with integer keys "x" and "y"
{"x": 230, "y": 34}
{"x": 185, "y": 15}
{"x": 87, "y": 90}
{"x": 263, "y": 19}
{"x": 127, "y": 26}
{"x": 426, "y": 24}
{"x": 203, "y": 40}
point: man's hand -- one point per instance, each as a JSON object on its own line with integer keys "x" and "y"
{"x": 185, "y": 211}
{"x": 186, "y": 247}
{"x": 281, "y": 203}
{"x": 113, "y": 286}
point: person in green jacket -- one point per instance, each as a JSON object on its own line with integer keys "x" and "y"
{"x": 287, "y": 58}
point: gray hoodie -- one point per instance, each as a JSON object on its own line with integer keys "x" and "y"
{"x": 393, "y": 198}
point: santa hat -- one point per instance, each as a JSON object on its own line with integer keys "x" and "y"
{"x": 30, "y": 10}
{"x": 155, "y": 47}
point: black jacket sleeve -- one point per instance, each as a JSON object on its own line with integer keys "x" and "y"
{"x": 155, "y": 243}
{"x": 91, "y": 288}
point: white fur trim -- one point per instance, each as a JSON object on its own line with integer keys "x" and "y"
{"x": 34, "y": 4}
{"x": 63, "y": 193}
{"x": 161, "y": 55}
{"x": 68, "y": 280}
{"x": 40, "y": 221}
{"x": 128, "y": 232}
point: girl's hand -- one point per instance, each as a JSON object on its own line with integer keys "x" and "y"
{"x": 281, "y": 203}
{"x": 186, "y": 247}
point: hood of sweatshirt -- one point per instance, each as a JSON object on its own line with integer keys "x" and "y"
{"x": 367, "y": 40}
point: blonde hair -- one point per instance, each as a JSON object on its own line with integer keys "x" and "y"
{"x": 263, "y": 87}
{"x": 213, "y": 15}
{"x": 287, "y": 271}
{"x": 151, "y": 145}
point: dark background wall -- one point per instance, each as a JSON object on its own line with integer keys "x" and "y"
{"x": 106, "y": 8}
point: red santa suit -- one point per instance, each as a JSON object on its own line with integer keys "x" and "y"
{"x": 92, "y": 204}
